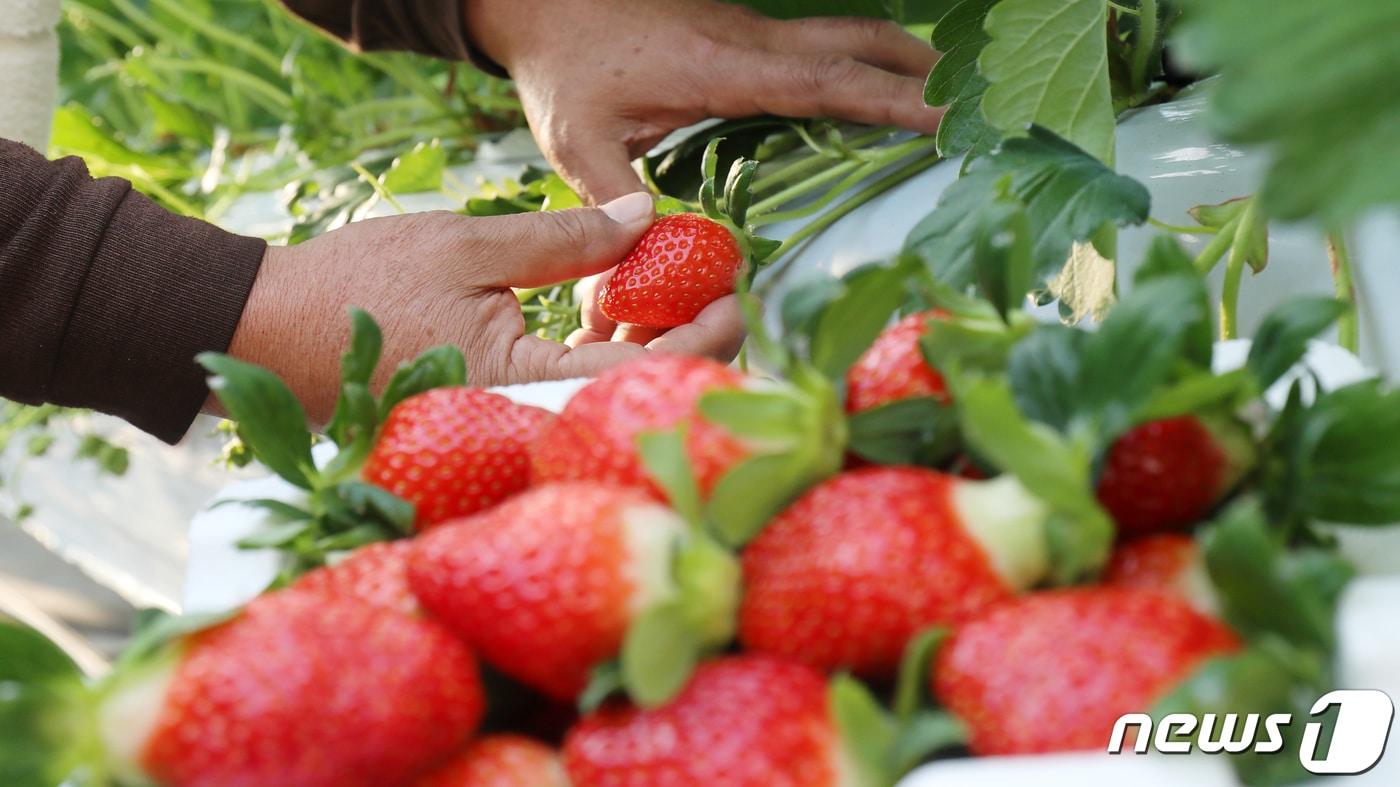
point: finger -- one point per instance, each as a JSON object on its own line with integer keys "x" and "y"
{"x": 535, "y": 249}
{"x": 717, "y": 332}
{"x": 829, "y": 86}
{"x": 636, "y": 334}
{"x": 533, "y": 358}
{"x": 599, "y": 168}
{"x": 596, "y": 326}
{"x": 878, "y": 42}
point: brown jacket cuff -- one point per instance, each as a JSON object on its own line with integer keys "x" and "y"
{"x": 430, "y": 27}
{"x": 161, "y": 289}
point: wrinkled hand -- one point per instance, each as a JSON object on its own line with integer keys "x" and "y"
{"x": 603, "y": 81}
{"x": 441, "y": 278}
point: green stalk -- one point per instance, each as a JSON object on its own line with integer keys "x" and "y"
{"x": 805, "y": 165}
{"x": 1348, "y": 328}
{"x": 241, "y": 42}
{"x": 865, "y": 195}
{"x": 1180, "y": 229}
{"x": 1211, "y": 254}
{"x": 862, "y": 171}
{"x": 368, "y": 177}
{"x": 269, "y": 95}
{"x": 1234, "y": 272}
{"x": 1146, "y": 40}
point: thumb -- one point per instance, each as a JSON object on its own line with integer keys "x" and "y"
{"x": 554, "y": 246}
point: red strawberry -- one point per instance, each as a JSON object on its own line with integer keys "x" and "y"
{"x": 546, "y": 584}
{"x": 893, "y": 368}
{"x": 595, "y": 438}
{"x": 744, "y": 721}
{"x": 1052, "y": 671}
{"x": 377, "y": 573}
{"x": 455, "y": 451}
{"x": 1168, "y": 563}
{"x": 301, "y": 688}
{"x": 850, "y": 572}
{"x": 1168, "y": 474}
{"x": 501, "y": 761}
{"x": 680, "y": 266}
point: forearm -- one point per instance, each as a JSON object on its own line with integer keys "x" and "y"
{"x": 105, "y": 298}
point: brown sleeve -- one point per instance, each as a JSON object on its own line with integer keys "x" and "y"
{"x": 430, "y": 27}
{"x": 105, "y": 298}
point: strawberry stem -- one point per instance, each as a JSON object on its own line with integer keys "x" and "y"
{"x": 854, "y": 171}
{"x": 1348, "y": 332}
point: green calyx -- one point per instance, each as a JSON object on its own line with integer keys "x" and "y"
{"x": 881, "y": 745}
{"x": 339, "y": 512}
{"x": 730, "y": 207}
{"x": 666, "y": 641}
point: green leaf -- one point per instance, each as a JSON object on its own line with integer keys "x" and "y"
{"x": 42, "y": 710}
{"x": 918, "y": 431}
{"x": 1068, "y": 196}
{"x": 418, "y": 170}
{"x": 866, "y": 729}
{"x": 776, "y": 418}
{"x": 1044, "y": 370}
{"x": 956, "y": 83}
{"x": 161, "y": 629}
{"x": 437, "y": 367}
{"x": 1047, "y": 64}
{"x": 1267, "y": 677}
{"x": 1048, "y": 466}
{"x": 914, "y": 666}
{"x": 270, "y": 419}
{"x": 664, "y": 457}
{"x": 276, "y": 536}
{"x": 277, "y": 508}
{"x": 1001, "y": 255}
{"x": 851, "y": 321}
{"x": 1345, "y": 452}
{"x": 1313, "y": 84}
{"x": 1282, "y": 339}
{"x": 927, "y": 732}
{"x": 1200, "y": 391}
{"x": 353, "y": 430}
{"x": 1264, "y": 589}
{"x": 603, "y": 683}
{"x": 1145, "y": 334}
{"x": 379, "y": 505}
{"x": 1165, "y": 258}
{"x": 659, "y": 654}
{"x": 752, "y": 493}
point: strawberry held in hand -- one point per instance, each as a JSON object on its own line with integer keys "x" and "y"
{"x": 681, "y": 265}
{"x": 548, "y": 585}
{"x": 501, "y": 761}
{"x": 1053, "y": 671}
{"x": 300, "y": 688}
{"x": 848, "y": 574}
{"x": 595, "y": 437}
{"x": 744, "y": 721}
{"x": 455, "y": 451}
{"x": 894, "y": 368}
{"x": 1169, "y": 474}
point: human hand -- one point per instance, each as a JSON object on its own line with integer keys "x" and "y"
{"x": 441, "y": 278}
{"x": 603, "y": 81}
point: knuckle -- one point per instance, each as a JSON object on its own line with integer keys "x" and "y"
{"x": 825, "y": 73}
{"x": 569, "y": 226}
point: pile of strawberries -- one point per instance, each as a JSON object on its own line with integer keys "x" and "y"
{"x": 693, "y": 576}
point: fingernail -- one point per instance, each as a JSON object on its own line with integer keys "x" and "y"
{"x": 635, "y": 208}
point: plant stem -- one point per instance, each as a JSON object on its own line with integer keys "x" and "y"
{"x": 1180, "y": 229}
{"x": 1348, "y": 329}
{"x": 854, "y": 175}
{"x": 806, "y": 164}
{"x": 1145, "y": 44}
{"x": 1234, "y": 271}
{"x": 1211, "y": 254}
{"x": 858, "y": 199}
{"x": 378, "y": 187}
